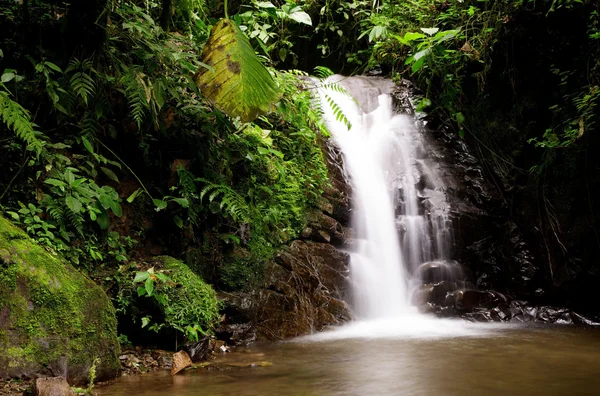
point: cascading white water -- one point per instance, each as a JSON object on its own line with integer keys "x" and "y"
{"x": 389, "y": 173}
{"x": 399, "y": 213}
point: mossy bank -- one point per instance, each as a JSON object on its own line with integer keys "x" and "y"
{"x": 53, "y": 320}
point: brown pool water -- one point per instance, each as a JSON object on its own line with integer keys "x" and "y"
{"x": 556, "y": 360}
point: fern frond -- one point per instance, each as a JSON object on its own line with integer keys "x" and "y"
{"x": 336, "y": 87}
{"x": 18, "y": 119}
{"x": 83, "y": 85}
{"x": 338, "y": 112}
{"x": 323, "y": 72}
{"x": 81, "y": 82}
{"x": 231, "y": 202}
{"x": 90, "y": 125}
{"x": 296, "y": 72}
{"x": 138, "y": 94}
{"x": 76, "y": 221}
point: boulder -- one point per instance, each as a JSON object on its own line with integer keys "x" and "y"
{"x": 197, "y": 350}
{"x": 54, "y": 321}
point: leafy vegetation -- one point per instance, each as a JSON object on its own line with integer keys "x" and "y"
{"x": 109, "y": 140}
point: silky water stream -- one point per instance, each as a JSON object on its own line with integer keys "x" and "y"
{"x": 390, "y": 348}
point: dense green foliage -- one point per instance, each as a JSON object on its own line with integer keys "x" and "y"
{"x": 110, "y": 150}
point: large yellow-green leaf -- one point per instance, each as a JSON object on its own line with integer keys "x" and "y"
{"x": 239, "y": 84}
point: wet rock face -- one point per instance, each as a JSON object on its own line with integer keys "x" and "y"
{"x": 449, "y": 299}
{"x": 199, "y": 350}
{"x": 304, "y": 285}
{"x": 484, "y": 239}
{"x": 302, "y": 293}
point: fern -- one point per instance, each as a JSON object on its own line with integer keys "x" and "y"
{"x": 55, "y": 210}
{"x": 89, "y": 125}
{"x": 81, "y": 82}
{"x": 18, "y": 119}
{"x": 336, "y": 87}
{"x": 76, "y": 221}
{"x": 323, "y": 72}
{"x": 186, "y": 181}
{"x": 138, "y": 94}
{"x": 338, "y": 112}
{"x": 232, "y": 202}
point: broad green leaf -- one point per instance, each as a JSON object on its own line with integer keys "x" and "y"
{"x": 240, "y": 85}
{"x": 460, "y": 118}
{"x": 69, "y": 176}
{"x": 102, "y": 220}
{"x": 178, "y": 221}
{"x": 423, "y": 104}
{"x": 14, "y": 215}
{"x": 116, "y": 208}
{"x": 183, "y": 202}
{"x": 55, "y": 182}
{"x": 446, "y": 35}
{"x": 73, "y": 203}
{"x": 300, "y": 16}
{"x": 430, "y": 31}
{"x": 417, "y": 65}
{"x": 87, "y": 144}
{"x": 149, "y": 284}
{"x": 411, "y": 36}
{"x": 6, "y": 77}
{"x": 141, "y": 276}
{"x": 111, "y": 175}
{"x": 264, "y": 4}
{"x": 145, "y": 319}
{"x": 160, "y": 204}
{"x": 422, "y": 54}
{"x": 105, "y": 201}
{"x": 53, "y": 66}
{"x": 162, "y": 277}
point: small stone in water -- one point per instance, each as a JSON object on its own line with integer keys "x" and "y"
{"x": 181, "y": 361}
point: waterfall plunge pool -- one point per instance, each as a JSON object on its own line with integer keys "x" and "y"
{"x": 493, "y": 360}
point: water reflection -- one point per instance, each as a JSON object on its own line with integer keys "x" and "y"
{"x": 533, "y": 361}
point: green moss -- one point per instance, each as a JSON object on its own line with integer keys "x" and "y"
{"x": 58, "y": 319}
{"x": 243, "y": 269}
{"x": 193, "y": 302}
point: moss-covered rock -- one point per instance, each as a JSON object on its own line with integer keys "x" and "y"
{"x": 53, "y": 319}
{"x": 194, "y": 302}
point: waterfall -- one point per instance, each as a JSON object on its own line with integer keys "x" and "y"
{"x": 400, "y": 211}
